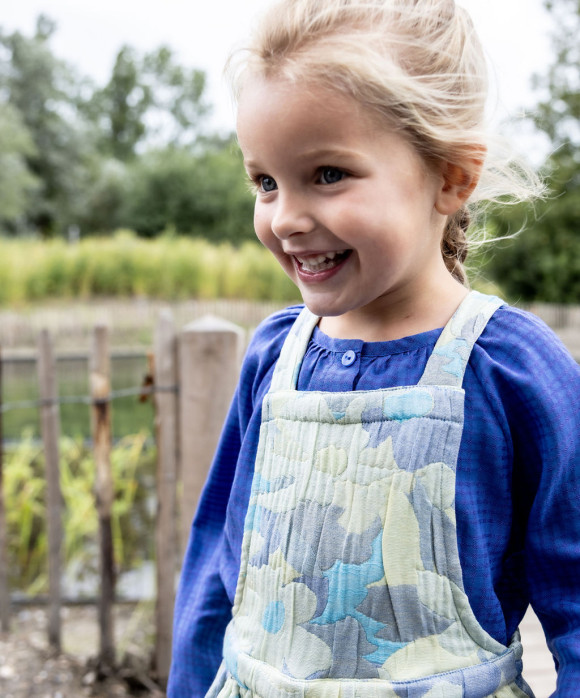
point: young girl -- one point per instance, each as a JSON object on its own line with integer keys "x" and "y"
{"x": 388, "y": 496}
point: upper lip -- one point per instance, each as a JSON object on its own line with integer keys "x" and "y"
{"x": 313, "y": 253}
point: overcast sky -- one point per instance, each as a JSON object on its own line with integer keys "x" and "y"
{"x": 90, "y": 32}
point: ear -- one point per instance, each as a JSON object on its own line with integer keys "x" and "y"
{"x": 458, "y": 183}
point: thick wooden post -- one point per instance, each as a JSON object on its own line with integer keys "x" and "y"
{"x": 50, "y": 424}
{"x": 165, "y": 370}
{"x": 209, "y": 359}
{"x": 100, "y": 386}
{"x": 4, "y": 588}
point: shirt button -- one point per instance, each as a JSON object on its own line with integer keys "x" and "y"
{"x": 348, "y": 358}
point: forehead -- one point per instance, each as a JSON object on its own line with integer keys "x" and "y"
{"x": 306, "y": 111}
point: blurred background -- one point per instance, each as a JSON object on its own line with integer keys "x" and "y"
{"x": 114, "y": 116}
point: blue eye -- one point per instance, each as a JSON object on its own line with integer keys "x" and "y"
{"x": 331, "y": 175}
{"x": 267, "y": 184}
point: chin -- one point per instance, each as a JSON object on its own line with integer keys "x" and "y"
{"x": 321, "y": 309}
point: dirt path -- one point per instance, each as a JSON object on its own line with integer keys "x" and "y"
{"x": 29, "y": 669}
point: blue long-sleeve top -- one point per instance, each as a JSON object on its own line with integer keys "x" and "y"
{"x": 517, "y": 486}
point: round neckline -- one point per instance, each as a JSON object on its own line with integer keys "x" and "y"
{"x": 386, "y": 348}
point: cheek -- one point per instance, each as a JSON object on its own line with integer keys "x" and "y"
{"x": 262, "y": 226}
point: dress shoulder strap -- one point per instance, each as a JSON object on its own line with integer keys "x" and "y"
{"x": 288, "y": 365}
{"x": 447, "y": 363}
{"x": 445, "y": 366}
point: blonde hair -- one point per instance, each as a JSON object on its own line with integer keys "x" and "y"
{"x": 417, "y": 65}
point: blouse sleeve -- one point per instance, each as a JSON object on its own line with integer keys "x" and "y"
{"x": 202, "y": 607}
{"x": 544, "y": 402}
{"x": 553, "y": 534}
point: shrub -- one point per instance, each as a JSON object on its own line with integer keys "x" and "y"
{"x": 25, "y": 491}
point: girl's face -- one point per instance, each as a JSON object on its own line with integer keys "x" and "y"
{"x": 348, "y": 207}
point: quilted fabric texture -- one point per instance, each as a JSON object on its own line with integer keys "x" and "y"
{"x": 350, "y": 582}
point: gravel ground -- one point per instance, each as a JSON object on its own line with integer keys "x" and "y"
{"x": 30, "y": 669}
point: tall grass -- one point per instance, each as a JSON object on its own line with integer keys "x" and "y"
{"x": 168, "y": 267}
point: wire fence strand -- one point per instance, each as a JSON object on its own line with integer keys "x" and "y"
{"x": 141, "y": 391}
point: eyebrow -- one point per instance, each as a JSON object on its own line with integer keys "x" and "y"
{"x": 250, "y": 164}
{"x": 329, "y": 153}
{"x": 318, "y": 154}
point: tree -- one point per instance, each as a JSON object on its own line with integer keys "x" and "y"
{"x": 44, "y": 92}
{"x": 543, "y": 263}
{"x": 130, "y": 154}
{"x": 70, "y": 143}
{"x": 195, "y": 193}
{"x": 559, "y": 115}
{"x": 149, "y": 100}
{"x": 105, "y": 199}
{"x": 17, "y": 183}
{"x": 179, "y": 108}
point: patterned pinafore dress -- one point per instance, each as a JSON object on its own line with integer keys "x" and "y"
{"x": 350, "y": 584}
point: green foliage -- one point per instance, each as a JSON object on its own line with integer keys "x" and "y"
{"x": 25, "y": 492}
{"x": 17, "y": 182}
{"x": 123, "y": 104}
{"x": 67, "y": 144}
{"x": 105, "y": 200}
{"x": 169, "y": 267}
{"x": 148, "y": 97}
{"x": 203, "y": 195}
{"x": 44, "y": 92}
{"x": 543, "y": 262}
{"x": 559, "y": 115}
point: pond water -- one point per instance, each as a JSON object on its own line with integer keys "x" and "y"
{"x": 20, "y": 383}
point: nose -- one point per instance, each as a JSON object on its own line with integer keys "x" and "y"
{"x": 292, "y": 216}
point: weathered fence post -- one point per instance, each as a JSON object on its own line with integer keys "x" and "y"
{"x": 209, "y": 359}
{"x": 165, "y": 372}
{"x": 4, "y": 588}
{"x": 50, "y": 424}
{"x": 100, "y": 387}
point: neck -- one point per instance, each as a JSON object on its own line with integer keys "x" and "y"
{"x": 398, "y": 316}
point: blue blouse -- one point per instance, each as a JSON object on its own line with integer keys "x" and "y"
{"x": 517, "y": 487}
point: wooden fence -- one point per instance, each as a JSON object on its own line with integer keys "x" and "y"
{"x": 193, "y": 377}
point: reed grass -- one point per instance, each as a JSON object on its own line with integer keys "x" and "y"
{"x": 168, "y": 268}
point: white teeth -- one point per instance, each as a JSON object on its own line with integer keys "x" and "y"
{"x": 318, "y": 262}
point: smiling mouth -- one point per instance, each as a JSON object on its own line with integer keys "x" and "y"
{"x": 314, "y": 264}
